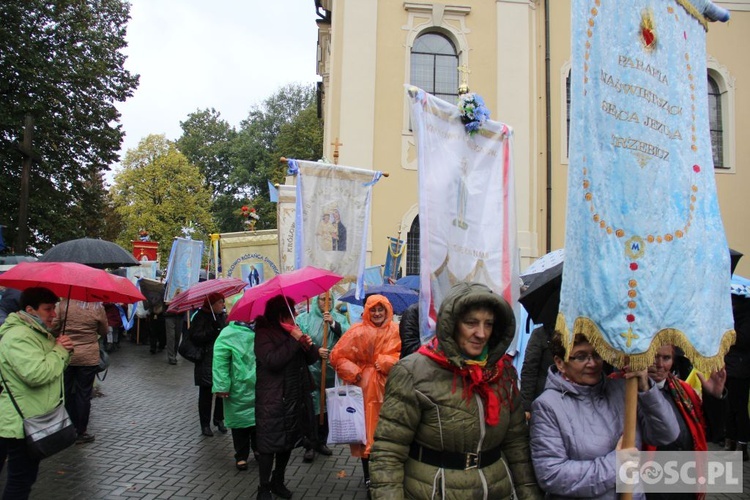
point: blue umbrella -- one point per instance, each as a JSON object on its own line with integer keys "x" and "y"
{"x": 400, "y": 297}
{"x": 411, "y": 281}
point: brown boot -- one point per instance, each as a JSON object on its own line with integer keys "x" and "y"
{"x": 730, "y": 445}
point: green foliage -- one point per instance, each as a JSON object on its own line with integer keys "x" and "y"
{"x": 206, "y": 142}
{"x": 160, "y": 191}
{"x": 62, "y": 63}
{"x": 285, "y": 124}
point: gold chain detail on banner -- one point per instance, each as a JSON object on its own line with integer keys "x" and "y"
{"x": 396, "y": 253}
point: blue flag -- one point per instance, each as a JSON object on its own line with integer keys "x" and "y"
{"x": 273, "y": 193}
{"x": 646, "y": 258}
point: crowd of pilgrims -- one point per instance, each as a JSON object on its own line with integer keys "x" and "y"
{"x": 445, "y": 419}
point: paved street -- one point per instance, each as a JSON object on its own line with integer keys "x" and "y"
{"x": 148, "y": 446}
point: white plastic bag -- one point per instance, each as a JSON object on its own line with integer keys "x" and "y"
{"x": 346, "y": 414}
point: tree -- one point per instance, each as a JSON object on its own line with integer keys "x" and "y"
{"x": 206, "y": 141}
{"x": 285, "y": 124}
{"x": 160, "y": 191}
{"x": 62, "y": 63}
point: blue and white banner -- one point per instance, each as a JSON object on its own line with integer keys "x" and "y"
{"x": 467, "y": 213}
{"x": 393, "y": 255}
{"x": 646, "y": 258}
{"x": 183, "y": 269}
{"x": 332, "y": 216}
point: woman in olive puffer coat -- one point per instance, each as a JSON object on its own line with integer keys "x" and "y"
{"x": 452, "y": 425}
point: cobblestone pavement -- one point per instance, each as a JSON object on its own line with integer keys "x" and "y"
{"x": 149, "y": 446}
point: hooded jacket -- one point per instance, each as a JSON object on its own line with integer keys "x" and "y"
{"x": 311, "y": 323}
{"x": 32, "y": 365}
{"x": 575, "y": 429}
{"x": 234, "y": 373}
{"x": 364, "y": 356}
{"x": 425, "y": 404}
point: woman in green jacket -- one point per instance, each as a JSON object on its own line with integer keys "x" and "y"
{"x": 312, "y": 323}
{"x": 452, "y": 425}
{"x": 234, "y": 382}
{"x": 32, "y": 362}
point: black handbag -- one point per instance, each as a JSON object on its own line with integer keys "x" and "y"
{"x": 189, "y": 350}
{"x": 101, "y": 369}
{"x": 48, "y": 433}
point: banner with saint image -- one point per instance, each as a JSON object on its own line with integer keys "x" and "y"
{"x": 646, "y": 258}
{"x": 467, "y": 212}
{"x": 183, "y": 269}
{"x": 332, "y": 216}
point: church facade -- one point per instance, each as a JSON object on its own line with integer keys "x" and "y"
{"x": 516, "y": 55}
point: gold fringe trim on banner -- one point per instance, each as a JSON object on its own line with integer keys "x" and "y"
{"x": 690, "y": 8}
{"x": 641, "y": 361}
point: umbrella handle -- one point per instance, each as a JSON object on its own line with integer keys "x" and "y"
{"x": 324, "y": 362}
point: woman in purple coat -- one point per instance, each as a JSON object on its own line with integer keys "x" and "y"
{"x": 577, "y": 423}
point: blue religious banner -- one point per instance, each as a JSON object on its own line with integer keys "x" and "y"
{"x": 183, "y": 269}
{"x": 393, "y": 255}
{"x": 646, "y": 258}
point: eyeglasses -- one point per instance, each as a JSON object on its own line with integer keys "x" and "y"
{"x": 585, "y": 358}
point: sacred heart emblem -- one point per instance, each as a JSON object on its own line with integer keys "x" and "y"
{"x": 648, "y": 33}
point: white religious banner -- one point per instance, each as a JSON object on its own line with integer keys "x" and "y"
{"x": 646, "y": 258}
{"x": 467, "y": 213}
{"x": 332, "y": 216}
{"x": 285, "y": 217}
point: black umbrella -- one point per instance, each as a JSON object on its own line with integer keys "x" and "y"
{"x": 95, "y": 253}
{"x": 540, "y": 291}
{"x": 735, "y": 257}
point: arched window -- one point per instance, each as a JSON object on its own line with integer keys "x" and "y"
{"x": 412, "y": 248}
{"x": 434, "y": 66}
{"x": 715, "y": 121}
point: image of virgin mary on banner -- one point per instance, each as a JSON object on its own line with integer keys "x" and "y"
{"x": 646, "y": 258}
{"x": 332, "y": 215}
{"x": 467, "y": 212}
{"x": 183, "y": 268}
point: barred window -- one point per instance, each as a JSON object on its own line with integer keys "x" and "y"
{"x": 412, "y": 248}
{"x": 715, "y": 121}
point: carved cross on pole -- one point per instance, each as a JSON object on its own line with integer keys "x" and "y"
{"x": 463, "y": 87}
{"x": 29, "y": 156}
{"x": 336, "y": 145}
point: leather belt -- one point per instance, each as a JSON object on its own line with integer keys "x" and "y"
{"x": 453, "y": 459}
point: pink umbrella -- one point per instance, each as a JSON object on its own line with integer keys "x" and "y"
{"x": 72, "y": 281}
{"x": 298, "y": 285}
{"x": 193, "y": 297}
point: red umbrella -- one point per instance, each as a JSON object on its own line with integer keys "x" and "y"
{"x": 193, "y": 297}
{"x": 72, "y": 281}
{"x": 298, "y": 285}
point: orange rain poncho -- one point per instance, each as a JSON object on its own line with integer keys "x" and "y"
{"x": 355, "y": 357}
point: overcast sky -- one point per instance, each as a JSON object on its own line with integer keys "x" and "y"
{"x": 225, "y": 54}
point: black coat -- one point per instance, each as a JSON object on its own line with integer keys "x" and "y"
{"x": 204, "y": 330}
{"x": 408, "y": 330}
{"x": 737, "y": 359}
{"x": 536, "y": 361}
{"x": 282, "y": 388}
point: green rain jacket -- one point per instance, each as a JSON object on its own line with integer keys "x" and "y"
{"x": 311, "y": 323}
{"x": 234, "y": 372}
{"x": 32, "y": 364}
{"x": 425, "y": 404}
